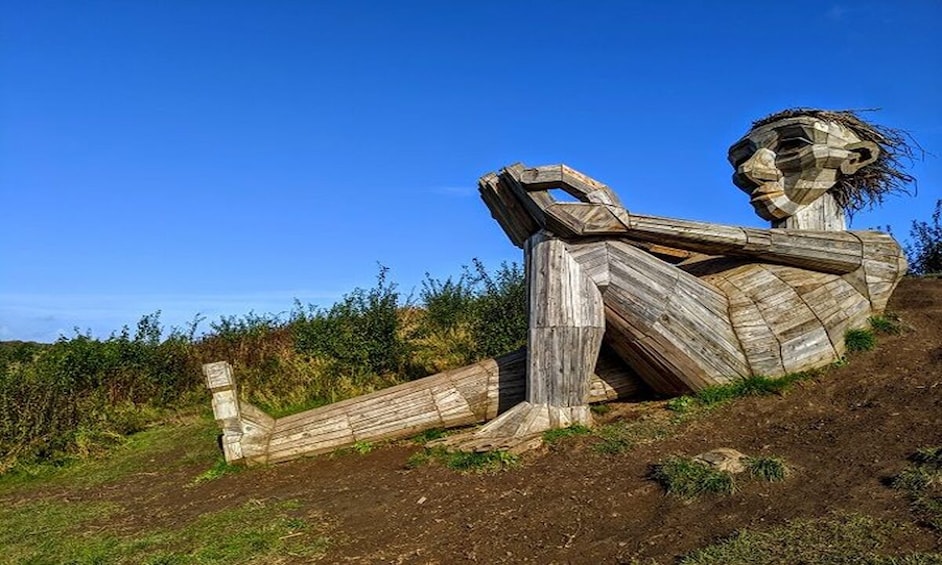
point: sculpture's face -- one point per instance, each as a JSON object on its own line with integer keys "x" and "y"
{"x": 788, "y": 164}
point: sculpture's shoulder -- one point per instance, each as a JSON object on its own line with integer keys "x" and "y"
{"x": 883, "y": 264}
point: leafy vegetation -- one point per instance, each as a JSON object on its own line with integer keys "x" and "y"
{"x": 888, "y": 323}
{"x": 924, "y": 251}
{"x": 81, "y": 397}
{"x": 689, "y": 478}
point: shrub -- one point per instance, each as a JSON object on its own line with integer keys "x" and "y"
{"x": 924, "y": 252}
{"x": 359, "y": 334}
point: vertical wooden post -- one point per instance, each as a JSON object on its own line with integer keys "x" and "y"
{"x": 567, "y": 323}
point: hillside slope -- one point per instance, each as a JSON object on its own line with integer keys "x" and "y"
{"x": 844, "y": 434}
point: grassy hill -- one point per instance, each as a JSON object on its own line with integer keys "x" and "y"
{"x": 859, "y": 441}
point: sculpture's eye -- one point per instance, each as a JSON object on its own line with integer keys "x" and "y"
{"x": 793, "y": 144}
{"x": 741, "y": 152}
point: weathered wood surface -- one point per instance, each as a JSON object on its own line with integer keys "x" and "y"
{"x": 460, "y": 397}
{"x": 684, "y": 304}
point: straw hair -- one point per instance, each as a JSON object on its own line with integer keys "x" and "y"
{"x": 870, "y": 184}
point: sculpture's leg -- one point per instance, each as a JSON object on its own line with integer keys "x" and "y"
{"x": 671, "y": 327}
{"x": 567, "y": 324}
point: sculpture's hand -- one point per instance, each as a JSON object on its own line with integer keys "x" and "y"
{"x": 520, "y": 200}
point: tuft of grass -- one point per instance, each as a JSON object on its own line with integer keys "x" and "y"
{"x": 922, "y": 483}
{"x": 859, "y": 340}
{"x": 363, "y": 447}
{"x": 755, "y": 385}
{"x": 219, "y": 469}
{"x": 834, "y": 540}
{"x": 485, "y": 462}
{"x": 600, "y": 409}
{"x": 772, "y": 469}
{"x": 682, "y": 404}
{"x": 557, "y": 434}
{"x": 688, "y": 479}
{"x": 888, "y": 323}
{"x": 464, "y": 461}
{"x": 428, "y": 435}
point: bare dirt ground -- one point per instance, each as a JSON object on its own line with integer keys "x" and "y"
{"x": 844, "y": 435}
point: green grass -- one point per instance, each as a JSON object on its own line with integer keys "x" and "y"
{"x": 688, "y": 479}
{"x": 888, "y": 323}
{"x": 859, "y": 340}
{"x": 188, "y": 440}
{"x": 771, "y": 469}
{"x": 428, "y": 435}
{"x": 756, "y": 385}
{"x": 53, "y": 532}
{"x": 558, "y": 434}
{"x": 465, "y": 462}
{"x": 835, "y": 540}
{"x": 219, "y": 469}
{"x": 922, "y": 483}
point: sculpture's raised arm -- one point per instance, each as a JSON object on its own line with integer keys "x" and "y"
{"x": 520, "y": 200}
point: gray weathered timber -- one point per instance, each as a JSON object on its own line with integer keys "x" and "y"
{"x": 621, "y": 302}
{"x": 469, "y": 395}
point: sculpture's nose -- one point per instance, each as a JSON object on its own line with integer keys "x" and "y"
{"x": 760, "y": 168}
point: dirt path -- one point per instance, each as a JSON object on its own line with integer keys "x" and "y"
{"x": 844, "y": 435}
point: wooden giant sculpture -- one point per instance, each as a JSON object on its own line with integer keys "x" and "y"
{"x": 679, "y": 305}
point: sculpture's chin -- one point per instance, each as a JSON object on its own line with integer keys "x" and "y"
{"x": 773, "y": 205}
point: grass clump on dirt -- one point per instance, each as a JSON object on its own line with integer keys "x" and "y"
{"x": 859, "y": 340}
{"x": 771, "y": 469}
{"x": 219, "y": 469}
{"x": 888, "y": 323}
{"x": 465, "y": 461}
{"x": 922, "y": 483}
{"x": 688, "y": 479}
{"x": 834, "y": 540}
{"x": 558, "y": 434}
{"x": 756, "y": 385}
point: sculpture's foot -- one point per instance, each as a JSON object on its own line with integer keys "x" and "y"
{"x": 519, "y": 429}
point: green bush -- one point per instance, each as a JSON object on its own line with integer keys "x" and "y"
{"x": 924, "y": 252}
{"x": 79, "y": 395}
{"x": 359, "y": 334}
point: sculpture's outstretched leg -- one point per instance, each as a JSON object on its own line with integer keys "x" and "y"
{"x": 567, "y": 323}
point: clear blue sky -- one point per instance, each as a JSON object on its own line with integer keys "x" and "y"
{"x": 221, "y": 157}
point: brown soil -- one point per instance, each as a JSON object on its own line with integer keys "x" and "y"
{"x": 844, "y": 434}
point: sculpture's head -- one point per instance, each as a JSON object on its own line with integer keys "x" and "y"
{"x": 790, "y": 159}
